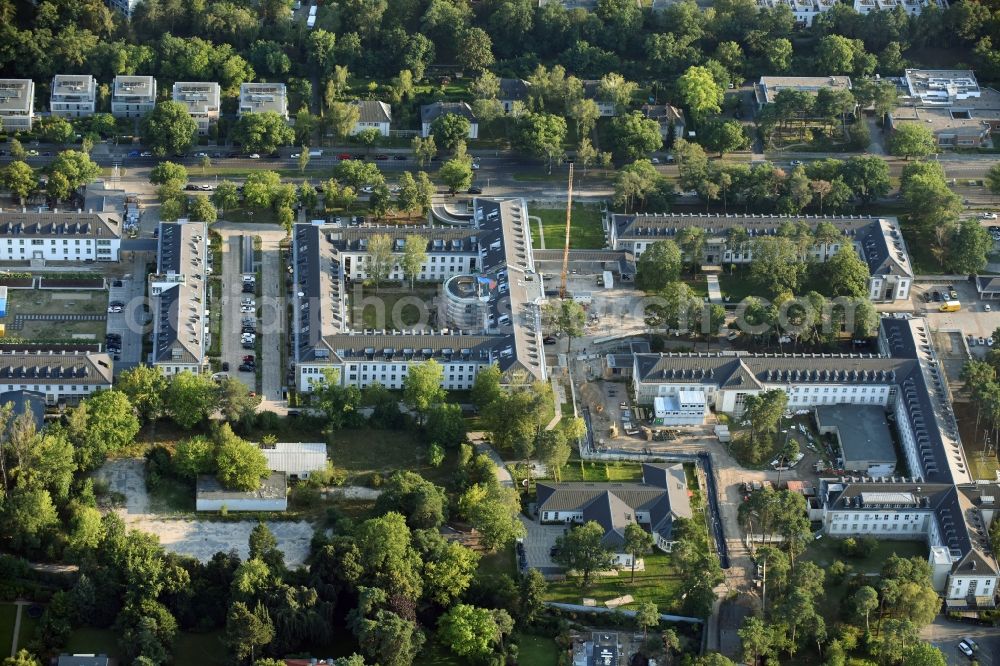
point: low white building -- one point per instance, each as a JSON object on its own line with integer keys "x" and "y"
{"x": 684, "y": 408}
{"x": 372, "y": 114}
{"x": 202, "y": 101}
{"x": 133, "y": 96}
{"x": 911, "y": 7}
{"x": 17, "y": 104}
{"x": 431, "y": 112}
{"x": 768, "y": 87}
{"x": 592, "y": 90}
{"x": 941, "y": 86}
{"x": 59, "y": 376}
{"x": 73, "y": 95}
{"x": 59, "y": 236}
{"x": 264, "y": 97}
{"x": 272, "y": 495}
{"x": 296, "y": 459}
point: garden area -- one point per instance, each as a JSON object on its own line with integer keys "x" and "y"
{"x": 659, "y": 583}
{"x": 69, "y": 314}
{"x": 394, "y": 307}
{"x": 586, "y": 229}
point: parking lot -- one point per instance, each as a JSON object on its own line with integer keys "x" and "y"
{"x": 538, "y": 543}
{"x": 233, "y": 351}
{"x": 945, "y": 634}
{"x": 131, "y": 322}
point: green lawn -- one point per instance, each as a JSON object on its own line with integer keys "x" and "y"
{"x": 536, "y": 650}
{"x": 586, "y": 229}
{"x": 8, "y": 613}
{"x": 204, "y": 649}
{"x": 28, "y": 628}
{"x": 394, "y": 307}
{"x": 736, "y": 285}
{"x": 93, "y": 641}
{"x": 501, "y": 562}
{"x": 658, "y": 583}
{"x": 435, "y": 654}
{"x": 577, "y": 470}
{"x": 171, "y": 496}
{"x": 981, "y": 464}
{"x": 363, "y": 452}
{"x": 826, "y": 551}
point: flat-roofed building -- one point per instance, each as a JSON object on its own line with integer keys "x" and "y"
{"x": 263, "y": 97}
{"x": 60, "y": 376}
{"x": 941, "y": 86}
{"x": 17, "y": 104}
{"x": 202, "y": 100}
{"x": 911, "y": 7}
{"x": 73, "y": 95}
{"x": 862, "y": 433}
{"x": 272, "y": 495}
{"x": 133, "y": 96}
{"x": 178, "y": 294}
{"x": 27, "y": 235}
{"x": 296, "y": 459}
{"x": 804, "y": 11}
{"x": 769, "y": 86}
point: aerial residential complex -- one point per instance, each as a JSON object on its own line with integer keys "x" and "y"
{"x": 59, "y": 376}
{"x": 493, "y": 299}
{"x": 59, "y": 236}
{"x": 263, "y": 97}
{"x": 179, "y": 301}
{"x": 73, "y": 95}
{"x": 17, "y": 104}
{"x": 805, "y": 11}
{"x": 133, "y": 96}
{"x": 878, "y": 242}
{"x": 202, "y": 100}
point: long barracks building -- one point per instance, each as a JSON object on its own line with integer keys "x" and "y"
{"x": 488, "y": 307}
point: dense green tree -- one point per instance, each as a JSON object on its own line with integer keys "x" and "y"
{"x": 235, "y": 403}
{"x": 422, "y": 503}
{"x": 565, "y": 316}
{"x": 658, "y": 265}
{"x": 391, "y": 562}
{"x": 542, "y": 135}
{"x": 189, "y": 398}
{"x": 969, "y": 249}
{"x": 911, "y": 140}
{"x": 635, "y": 135}
{"x": 583, "y": 551}
{"x": 445, "y": 425}
{"x": 449, "y": 130}
{"x": 262, "y": 132}
{"x": 846, "y": 273}
{"x": 194, "y": 456}
{"x": 723, "y": 136}
{"x": 168, "y": 174}
{"x": 867, "y": 176}
{"x": 469, "y": 632}
{"x": 389, "y": 639}
{"x": 701, "y": 94}
{"x": 226, "y": 196}
{"x": 27, "y": 515}
{"x": 637, "y": 542}
{"x": 422, "y": 386}
{"x": 240, "y": 464}
{"x": 493, "y": 510}
{"x": 777, "y": 265}
{"x": 456, "y": 174}
{"x": 111, "y": 425}
{"x": 76, "y": 167}
{"x": 20, "y": 179}
{"x": 248, "y": 630}
{"x": 169, "y": 129}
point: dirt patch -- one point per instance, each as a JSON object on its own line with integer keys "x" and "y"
{"x": 200, "y": 539}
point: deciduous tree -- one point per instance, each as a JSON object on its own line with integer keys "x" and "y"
{"x": 169, "y": 129}
{"x": 583, "y": 551}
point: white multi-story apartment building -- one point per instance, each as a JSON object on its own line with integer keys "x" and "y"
{"x": 202, "y": 100}
{"x": 373, "y": 114}
{"x": 878, "y": 241}
{"x": 59, "y": 236}
{"x": 911, "y": 7}
{"x": 17, "y": 104}
{"x": 494, "y": 251}
{"x": 73, "y": 95}
{"x": 179, "y": 301}
{"x": 59, "y": 376}
{"x": 133, "y": 96}
{"x": 263, "y": 97}
{"x": 768, "y": 87}
{"x": 126, "y": 7}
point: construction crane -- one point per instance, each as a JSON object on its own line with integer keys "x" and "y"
{"x": 569, "y": 214}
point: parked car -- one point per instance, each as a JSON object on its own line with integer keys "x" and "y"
{"x": 381, "y": 157}
{"x": 146, "y": 153}
{"x": 399, "y": 157}
{"x": 225, "y": 365}
{"x": 475, "y": 190}
{"x": 548, "y": 340}
{"x": 296, "y": 155}
{"x": 245, "y": 367}
{"x": 966, "y": 650}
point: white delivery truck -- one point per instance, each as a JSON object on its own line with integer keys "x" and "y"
{"x": 609, "y": 280}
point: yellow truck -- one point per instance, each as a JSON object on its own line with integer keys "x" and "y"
{"x": 951, "y": 306}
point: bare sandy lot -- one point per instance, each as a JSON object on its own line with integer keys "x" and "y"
{"x": 200, "y": 539}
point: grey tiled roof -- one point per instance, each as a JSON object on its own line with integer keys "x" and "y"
{"x": 68, "y": 224}
{"x": 373, "y": 111}
{"x": 430, "y": 112}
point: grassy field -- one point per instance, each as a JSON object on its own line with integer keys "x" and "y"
{"x": 826, "y": 551}
{"x": 39, "y": 301}
{"x": 8, "y": 613}
{"x": 981, "y": 464}
{"x": 658, "y": 583}
{"x": 204, "y": 649}
{"x": 404, "y": 314}
{"x": 363, "y": 452}
{"x": 586, "y": 231}
{"x": 578, "y": 470}
{"x": 536, "y": 650}
{"x": 501, "y": 562}
{"x": 171, "y": 496}
{"x": 93, "y": 641}
{"x": 28, "y": 628}
{"x": 736, "y": 285}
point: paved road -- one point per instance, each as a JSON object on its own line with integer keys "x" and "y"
{"x": 131, "y": 323}
{"x": 946, "y": 634}
{"x": 232, "y": 349}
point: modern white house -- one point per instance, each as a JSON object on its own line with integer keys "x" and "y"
{"x": 911, "y": 7}
{"x": 178, "y": 298}
{"x": 61, "y": 377}
{"x": 804, "y": 11}
{"x": 202, "y": 101}
{"x": 372, "y": 114}
{"x": 263, "y": 97}
{"x": 17, "y": 104}
{"x": 654, "y": 504}
{"x": 27, "y": 235}
{"x": 133, "y": 96}
{"x": 272, "y": 495}
{"x": 493, "y": 253}
{"x": 73, "y": 95}
{"x": 430, "y": 112}
{"x": 878, "y": 241}
{"x": 684, "y": 408}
